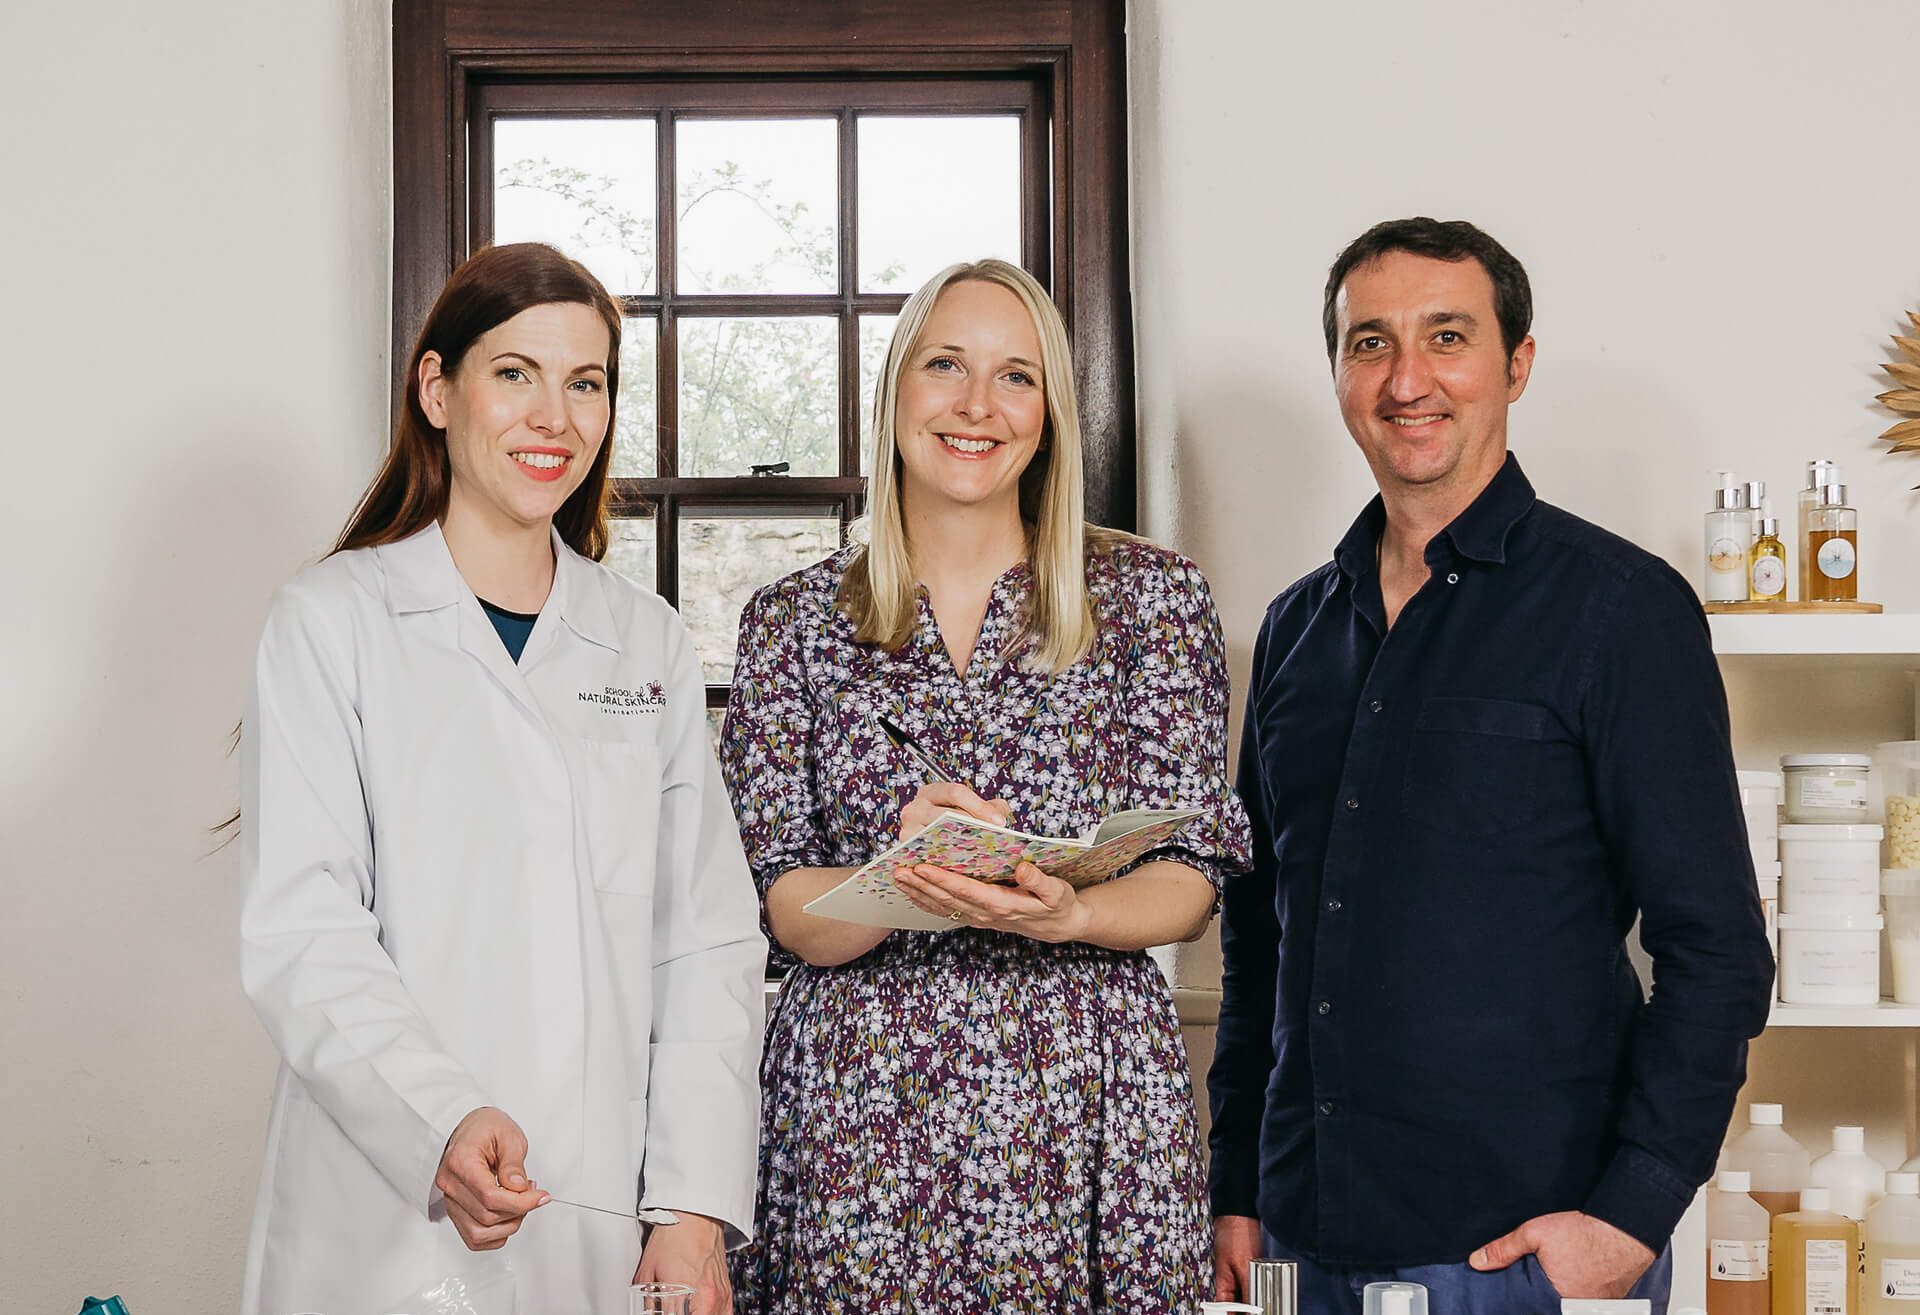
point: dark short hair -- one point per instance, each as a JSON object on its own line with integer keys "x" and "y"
{"x": 1452, "y": 239}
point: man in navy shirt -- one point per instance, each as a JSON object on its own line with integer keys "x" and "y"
{"x": 1478, "y": 743}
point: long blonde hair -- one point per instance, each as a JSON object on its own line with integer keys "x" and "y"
{"x": 877, "y": 590}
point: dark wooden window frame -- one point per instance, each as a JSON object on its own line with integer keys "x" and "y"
{"x": 1074, "y": 51}
{"x": 668, "y": 493}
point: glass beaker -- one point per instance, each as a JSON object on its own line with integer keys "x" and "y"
{"x": 660, "y": 1299}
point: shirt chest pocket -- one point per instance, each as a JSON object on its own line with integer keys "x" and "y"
{"x": 1474, "y": 765}
{"x": 620, "y": 805}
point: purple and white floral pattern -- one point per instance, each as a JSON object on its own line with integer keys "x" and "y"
{"x": 973, "y": 1121}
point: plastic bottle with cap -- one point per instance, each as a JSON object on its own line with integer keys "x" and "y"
{"x": 1737, "y": 1231}
{"x": 1856, "y": 1179}
{"x": 1814, "y": 1256}
{"x": 1393, "y": 1299}
{"x": 1891, "y": 1283}
{"x": 1775, "y": 1162}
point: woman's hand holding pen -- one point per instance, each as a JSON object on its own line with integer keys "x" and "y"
{"x": 937, "y": 797}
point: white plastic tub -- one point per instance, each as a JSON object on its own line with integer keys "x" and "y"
{"x": 1760, "y": 802}
{"x": 1902, "y": 891}
{"x": 1829, "y": 870}
{"x": 1829, "y": 960}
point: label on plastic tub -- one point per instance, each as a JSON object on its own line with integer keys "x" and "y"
{"x": 1832, "y": 791}
{"x": 1738, "y": 1262}
{"x": 1829, "y": 1268}
{"x": 1900, "y": 1280}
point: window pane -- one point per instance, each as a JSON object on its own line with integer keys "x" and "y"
{"x": 757, "y": 209}
{"x": 723, "y": 559}
{"x": 631, "y": 551}
{"x": 759, "y": 390}
{"x": 586, "y": 186}
{"x": 905, "y": 239}
{"x": 876, "y": 331}
{"x": 636, "y": 415}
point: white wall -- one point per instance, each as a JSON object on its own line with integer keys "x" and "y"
{"x": 195, "y": 239}
{"x": 1711, "y": 201}
{"x": 1712, "y": 198}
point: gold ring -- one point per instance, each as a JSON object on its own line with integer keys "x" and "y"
{"x": 954, "y": 915}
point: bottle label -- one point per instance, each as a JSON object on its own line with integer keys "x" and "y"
{"x": 1769, "y": 577}
{"x": 1832, "y": 791}
{"x": 1836, "y": 559}
{"x": 1900, "y": 1280}
{"x": 1829, "y": 1274}
{"x": 1724, "y": 555}
{"x": 1738, "y": 1262}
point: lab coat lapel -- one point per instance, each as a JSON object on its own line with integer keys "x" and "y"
{"x": 422, "y": 577}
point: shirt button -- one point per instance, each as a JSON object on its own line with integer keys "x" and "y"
{"x": 1375, "y": 706}
{"x": 1352, "y": 805}
{"x": 1333, "y": 906}
{"x": 1326, "y": 1007}
{"x": 1453, "y": 577}
{"x": 1326, "y": 1108}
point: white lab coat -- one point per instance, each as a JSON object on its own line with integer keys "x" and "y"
{"x": 474, "y": 883}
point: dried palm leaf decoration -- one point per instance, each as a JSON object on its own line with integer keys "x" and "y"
{"x": 1905, "y": 400}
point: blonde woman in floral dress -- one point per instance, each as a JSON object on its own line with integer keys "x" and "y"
{"x": 996, "y": 1118}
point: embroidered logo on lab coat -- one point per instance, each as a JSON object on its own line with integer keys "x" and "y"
{"x": 626, "y": 702}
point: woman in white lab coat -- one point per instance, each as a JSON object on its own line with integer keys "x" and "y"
{"x": 497, "y": 919}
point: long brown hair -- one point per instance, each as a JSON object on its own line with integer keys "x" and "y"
{"x": 493, "y": 286}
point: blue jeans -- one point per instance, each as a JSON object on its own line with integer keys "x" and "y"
{"x": 1519, "y": 1289}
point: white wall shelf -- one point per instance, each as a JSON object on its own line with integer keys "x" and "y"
{"x": 1890, "y": 639}
{"x": 1885, "y": 1014}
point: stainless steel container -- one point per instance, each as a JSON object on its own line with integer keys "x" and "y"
{"x": 1274, "y": 1286}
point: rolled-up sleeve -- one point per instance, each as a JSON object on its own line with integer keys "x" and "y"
{"x": 1668, "y": 808}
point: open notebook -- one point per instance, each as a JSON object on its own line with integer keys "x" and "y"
{"x": 990, "y": 853}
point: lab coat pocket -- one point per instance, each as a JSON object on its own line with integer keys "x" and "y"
{"x": 621, "y": 803}
{"x": 1474, "y": 765}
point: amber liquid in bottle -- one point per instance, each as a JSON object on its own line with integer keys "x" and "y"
{"x": 1814, "y": 1258}
{"x": 1824, "y": 588}
{"x": 1778, "y": 1203}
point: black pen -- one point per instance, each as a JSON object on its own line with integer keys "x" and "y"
{"x": 911, "y": 747}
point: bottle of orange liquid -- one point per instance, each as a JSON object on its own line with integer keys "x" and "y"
{"x": 1812, "y": 1252}
{"x": 1737, "y": 1234}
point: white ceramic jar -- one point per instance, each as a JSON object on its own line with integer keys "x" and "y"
{"x": 1826, "y": 960}
{"x": 1830, "y": 870}
{"x": 1826, "y": 787}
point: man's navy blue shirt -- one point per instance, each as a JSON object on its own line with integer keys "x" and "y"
{"x": 1430, "y": 1030}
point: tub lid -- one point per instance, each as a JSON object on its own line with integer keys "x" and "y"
{"x": 1826, "y": 760}
{"x": 1899, "y": 881}
{"x": 1832, "y": 831}
{"x": 1758, "y": 780}
{"x": 1830, "y": 922}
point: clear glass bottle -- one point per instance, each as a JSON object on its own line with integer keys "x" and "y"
{"x": 1892, "y": 1280}
{"x": 1814, "y": 1253}
{"x": 1819, "y": 474}
{"x": 1729, "y": 532}
{"x": 1737, "y": 1230}
{"x": 1767, "y": 559}
{"x": 1833, "y": 547}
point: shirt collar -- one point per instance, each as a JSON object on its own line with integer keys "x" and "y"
{"x": 1479, "y": 533}
{"x": 421, "y": 577}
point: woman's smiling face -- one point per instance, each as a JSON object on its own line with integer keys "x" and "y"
{"x": 972, "y": 405}
{"x": 525, "y": 412}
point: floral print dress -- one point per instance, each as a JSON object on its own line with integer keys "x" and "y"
{"x": 972, "y": 1121}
